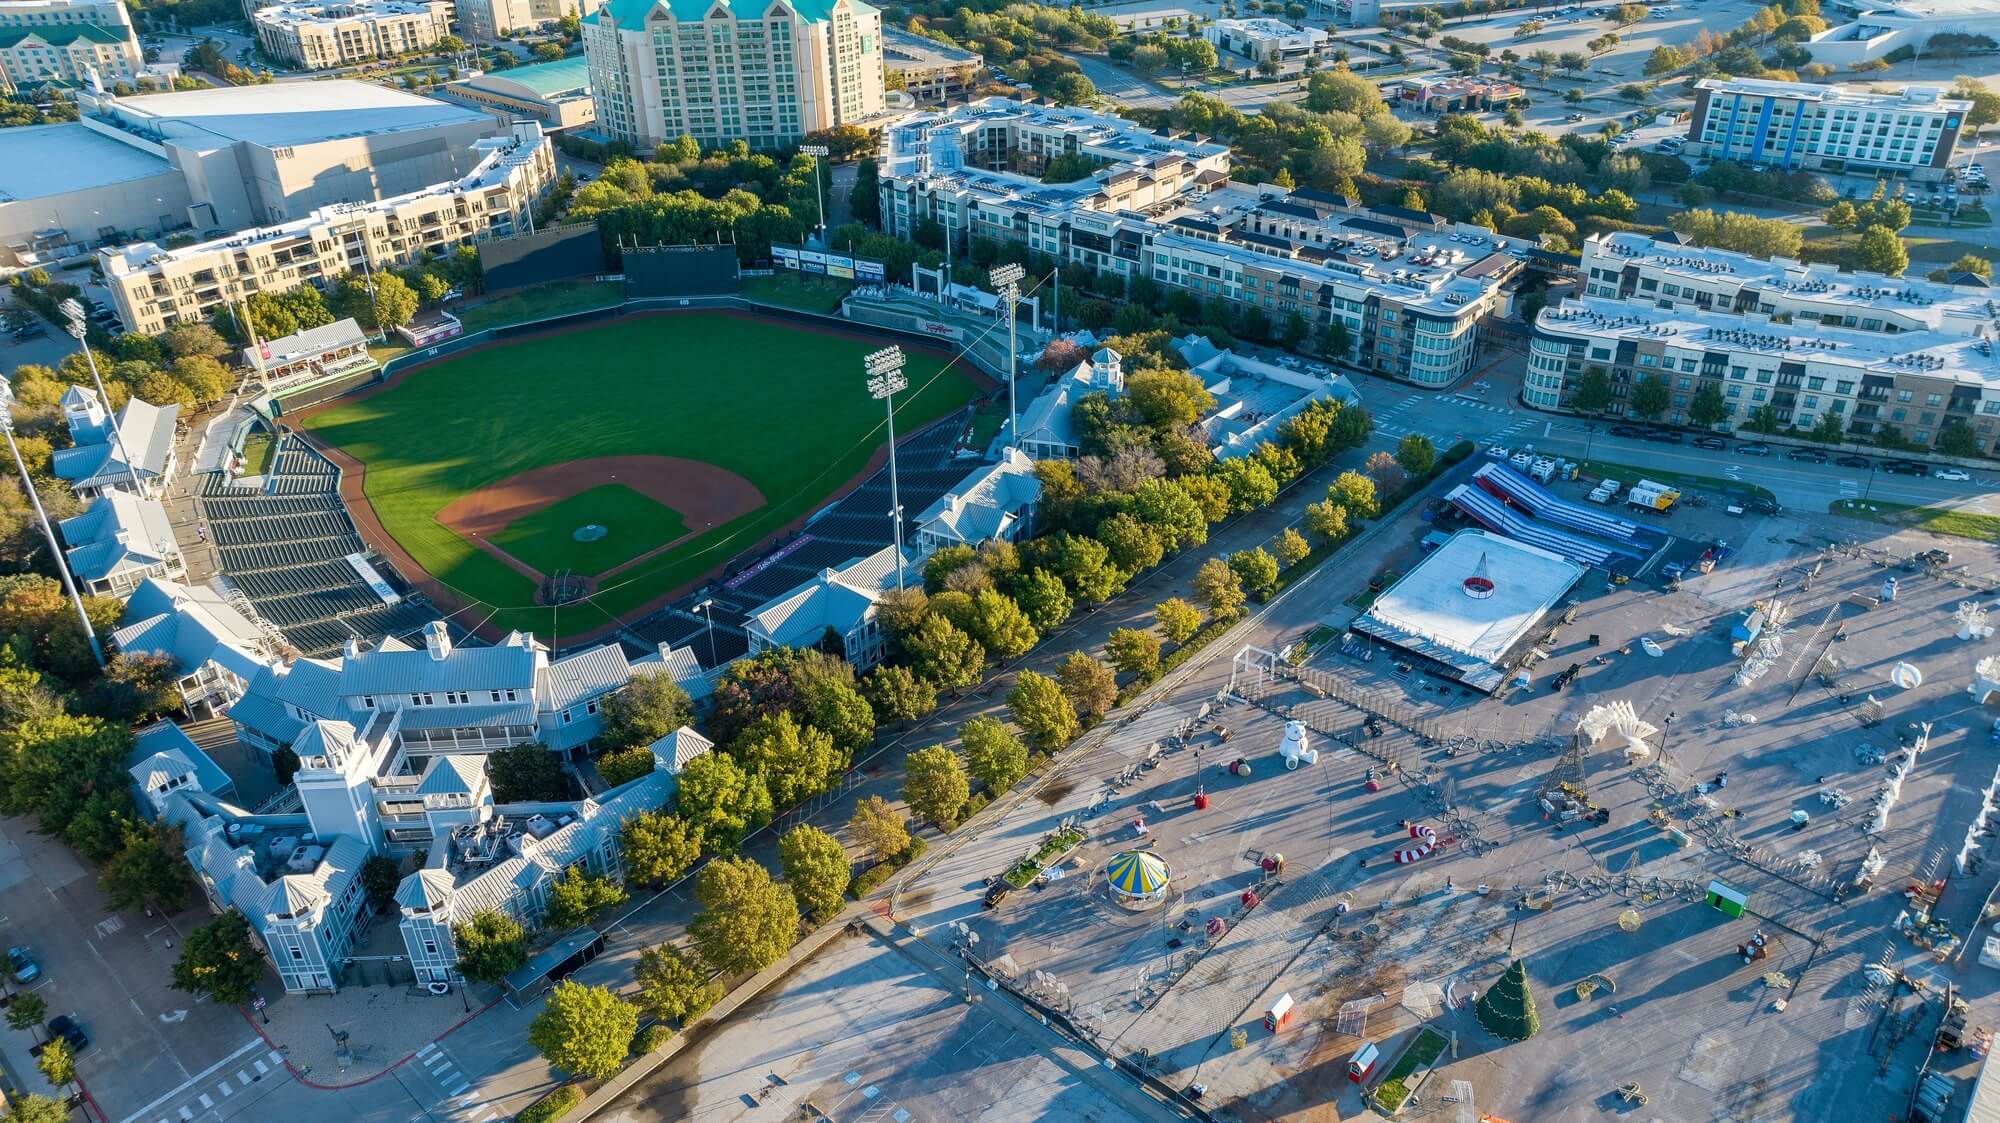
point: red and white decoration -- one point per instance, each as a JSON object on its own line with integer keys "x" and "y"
{"x": 1479, "y": 584}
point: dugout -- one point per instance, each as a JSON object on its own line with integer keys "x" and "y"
{"x": 680, "y": 271}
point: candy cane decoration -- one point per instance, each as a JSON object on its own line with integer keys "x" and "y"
{"x": 1427, "y": 841}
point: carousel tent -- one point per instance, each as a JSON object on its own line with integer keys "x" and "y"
{"x": 1138, "y": 878}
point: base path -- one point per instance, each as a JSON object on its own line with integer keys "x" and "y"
{"x": 705, "y": 496}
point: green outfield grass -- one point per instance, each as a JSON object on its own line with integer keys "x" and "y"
{"x": 784, "y": 407}
{"x": 634, "y": 524}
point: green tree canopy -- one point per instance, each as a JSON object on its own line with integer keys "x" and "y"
{"x": 934, "y": 785}
{"x": 1042, "y": 710}
{"x": 816, "y": 868}
{"x": 578, "y": 895}
{"x": 672, "y": 987}
{"x": 658, "y": 847}
{"x": 1178, "y": 619}
{"x": 217, "y": 961}
{"x": 1650, "y": 397}
{"x": 747, "y": 920}
{"x": 584, "y": 1031}
{"x": 722, "y": 801}
{"x": 642, "y": 711}
{"x": 993, "y": 755}
{"x": 879, "y": 827}
{"x": 490, "y": 946}
{"x": 1217, "y": 586}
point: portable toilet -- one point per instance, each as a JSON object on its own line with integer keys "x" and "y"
{"x": 1727, "y": 901}
{"x": 1363, "y": 1062}
{"x": 1279, "y": 1013}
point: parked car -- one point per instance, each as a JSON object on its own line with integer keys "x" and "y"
{"x": 1713, "y": 444}
{"x": 1664, "y": 436}
{"x": 65, "y": 1027}
{"x": 1906, "y": 468}
{"x": 1807, "y": 455}
{"x": 1763, "y": 505}
{"x": 1854, "y": 462}
{"x": 1754, "y": 448}
{"x": 22, "y": 966}
{"x": 1627, "y": 431}
{"x": 1958, "y": 475}
{"x": 31, "y": 330}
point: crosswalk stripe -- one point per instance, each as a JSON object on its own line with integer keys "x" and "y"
{"x": 187, "y": 1112}
{"x": 428, "y": 1049}
{"x": 261, "y": 1070}
{"x": 225, "y": 1089}
{"x": 205, "y": 1101}
{"x": 463, "y": 1084}
{"x": 243, "y": 1078}
{"x": 277, "y": 1058}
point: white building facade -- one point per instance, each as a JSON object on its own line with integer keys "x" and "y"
{"x": 1798, "y": 125}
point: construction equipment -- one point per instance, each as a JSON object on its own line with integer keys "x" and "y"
{"x": 1951, "y": 1031}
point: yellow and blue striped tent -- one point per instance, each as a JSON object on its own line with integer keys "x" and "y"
{"x": 1137, "y": 873}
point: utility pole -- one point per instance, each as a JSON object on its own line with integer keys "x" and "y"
{"x": 818, "y": 152}
{"x": 1007, "y": 279}
{"x": 41, "y": 516}
{"x": 78, "y": 327}
{"x": 885, "y": 377}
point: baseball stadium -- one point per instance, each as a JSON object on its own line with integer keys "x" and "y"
{"x": 611, "y": 465}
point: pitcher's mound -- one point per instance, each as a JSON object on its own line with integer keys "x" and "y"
{"x": 589, "y": 532}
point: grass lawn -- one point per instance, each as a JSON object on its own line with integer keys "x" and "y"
{"x": 539, "y": 303}
{"x": 1629, "y": 475}
{"x": 1937, "y": 520}
{"x": 257, "y": 448}
{"x": 987, "y": 421}
{"x": 798, "y": 290}
{"x": 634, "y": 524}
{"x": 1428, "y": 1046}
{"x": 781, "y": 406}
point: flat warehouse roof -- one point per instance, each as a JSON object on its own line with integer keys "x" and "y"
{"x": 43, "y": 160}
{"x": 1431, "y": 602}
{"x": 297, "y": 112}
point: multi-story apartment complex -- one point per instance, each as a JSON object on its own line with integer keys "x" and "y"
{"x": 487, "y": 20}
{"x": 67, "y": 41}
{"x": 660, "y": 69}
{"x": 1794, "y": 125}
{"x": 154, "y": 288}
{"x": 1913, "y": 382}
{"x": 1410, "y": 293}
{"x": 323, "y": 36}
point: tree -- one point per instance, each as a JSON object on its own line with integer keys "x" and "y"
{"x": 672, "y": 988}
{"x": 1507, "y": 1009}
{"x": 217, "y": 961}
{"x": 1001, "y": 627}
{"x": 828, "y": 701}
{"x": 1085, "y": 566}
{"x": 1707, "y": 409}
{"x": 1137, "y": 652}
{"x": 150, "y": 870}
{"x": 527, "y": 774}
{"x": 1956, "y": 438}
{"x": 27, "y": 1011}
{"x": 284, "y": 765}
{"x": 1593, "y": 391}
{"x": 1290, "y": 547}
{"x": 58, "y": 1063}
{"x": 578, "y": 895}
{"x": 1343, "y": 90}
{"x": 879, "y": 828}
{"x": 32, "y": 1108}
{"x": 186, "y": 339}
{"x": 379, "y": 877}
{"x": 1042, "y": 710}
{"x": 1044, "y": 597}
{"x": 993, "y": 755}
{"x": 1356, "y": 492}
{"x": 1763, "y": 419}
{"x": 721, "y": 801}
{"x": 657, "y": 847}
{"x": 1967, "y": 263}
{"x": 816, "y": 868}
{"x": 1841, "y": 216}
{"x": 490, "y": 946}
{"x": 390, "y": 304}
{"x": 1250, "y": 483}
{"x": 1416, "y": 454}
{"x": 1326, "y": 519}
{"x": 897, "y": 694}
{"x": 864, "y": 200}
{"x": 1171, "y": 513}
{"x": 1257, "y": 569}
{"x": 1829, "y": 428}
{"x": 621, "y": 768}
{"x": 1650, "y": 397}
{"x": 944, "y": 656}
{"x": 1217, "y": 586}
{"x": 1178, "y": 620}
{"x": 1387, "y": 472}
{"x": 794, "y": 762}
{"x": 584, "y": 1031}
{"x": 747, "y": 920}
{"x": 643, "y": 710}
{"x": 1881, "y": 251}
{"x": 934, "y": 785}
{"x": 1133, "y": 545}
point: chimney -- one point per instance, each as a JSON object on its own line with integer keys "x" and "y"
{"x": 437, "y": 640}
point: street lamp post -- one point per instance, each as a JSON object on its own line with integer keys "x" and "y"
{"x": 885, "y": 377}
{"x": 1007, "y": 279}
{"x": 818, "y": 152}
{"x": 707, "y": 607}
{"x": 77, "y": 326}
{"x": 42, "y": 517}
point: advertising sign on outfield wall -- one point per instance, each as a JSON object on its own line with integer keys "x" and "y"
{"x": 829, "y": 264}
{"x": 870, "y": 271}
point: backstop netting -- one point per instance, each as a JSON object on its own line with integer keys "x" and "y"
{"x": 558, "y": 253}
{"x": 669, "y": 271}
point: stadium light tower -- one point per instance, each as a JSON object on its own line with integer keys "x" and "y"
{"x": 77, "y": 326}
{"x": 818, "y": 152}
{"x": 885, "y": 377}
{"x": 41, "y": 516}
{"x": 1007, "y": 279}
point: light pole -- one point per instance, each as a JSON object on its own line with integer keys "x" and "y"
{"x": 1007, "y": 279}
{"x": 77, "y": 326}
{"x": 41, "y": 516}
{"x": 707, "y": 608}
{"x": 818, "y": 152}
{"x": 885, "y": 377}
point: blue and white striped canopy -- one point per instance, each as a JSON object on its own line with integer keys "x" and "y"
{"x": 1137, "y": 873}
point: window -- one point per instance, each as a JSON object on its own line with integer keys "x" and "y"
{"x": 565, "y": 717}
{"x": 430, "y": 947}
{"x": 368, "y": 700}
{"x": 1815, "y": 383}
{"x": 590, "y": 707}
{"x": 1905, "y": 395}
{"x": 1933, "y": 400}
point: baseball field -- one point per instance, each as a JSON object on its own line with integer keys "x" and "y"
{"x": 638, "y": 454}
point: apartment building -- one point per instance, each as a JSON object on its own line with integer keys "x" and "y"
{"x": 1798, "y": 125}
{"x": 323, "y": 36}
{"x": 1410, "y": 289}
{"x": 487, "y": 20}
{"x": 1914, "y": 382}
{"x": 154, "y": 288}
{"x": 67, "y": 41}
{"x": 661, "y": 69}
